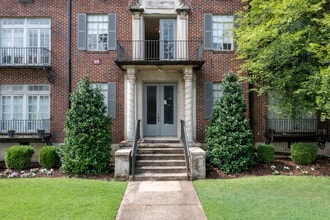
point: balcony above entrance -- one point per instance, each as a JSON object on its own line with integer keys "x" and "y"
{"x": 159, "y": 52}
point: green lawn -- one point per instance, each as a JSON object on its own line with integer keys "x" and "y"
{"x": 52, "y": 198}
{"x": 269, "y": 197}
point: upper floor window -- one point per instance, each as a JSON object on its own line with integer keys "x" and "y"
{"x": 25, "y": 41}
{"x": 218, "y": 32}
{"x": 97, "y": 32}
{"x": 25, "y": 32}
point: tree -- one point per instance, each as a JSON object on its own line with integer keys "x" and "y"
{"x": 229, "y": 137}
{"x": 285, "y": 46}
{"x": 86, "y": 148}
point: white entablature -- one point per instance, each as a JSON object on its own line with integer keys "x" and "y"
{"x": 159, "y": 6}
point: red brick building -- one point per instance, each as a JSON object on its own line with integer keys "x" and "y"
{"x": 159, "y": 61}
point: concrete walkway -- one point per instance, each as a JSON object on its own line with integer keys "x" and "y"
{"x": 159, "y": 200}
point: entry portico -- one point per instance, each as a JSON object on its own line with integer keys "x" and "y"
{"x": 160, "y": 96}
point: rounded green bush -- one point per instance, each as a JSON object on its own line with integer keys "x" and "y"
{"x": 19, "y": 157}
{"x": 266, "y": 153}
{"x": 48, "y": 157}
{"x": 302, "y": 153}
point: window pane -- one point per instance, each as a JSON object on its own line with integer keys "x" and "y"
{"x": 222, "y": 33}
{"x": 97, "y": 32}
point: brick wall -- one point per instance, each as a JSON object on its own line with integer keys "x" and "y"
{"x": 216, "y": 63}
{"x": 56, "y": 10}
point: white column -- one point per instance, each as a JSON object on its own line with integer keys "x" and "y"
{"x": 137, "y": 35}
{"x": 130, "y": 103}
{"x": 182, "y": 19}
{"x": 188, "y": 90}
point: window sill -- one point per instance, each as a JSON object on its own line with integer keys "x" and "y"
{"x": 97, "y": 51}
{"x": 223, "y": 51}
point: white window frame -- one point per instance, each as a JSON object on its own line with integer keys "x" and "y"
{"x": 27, "y": 24}
{"x": 104, "y": 91}
{"x": 25, "y": 92}
{"x": 217, "y": 92}
{"x": 222, "y": 34}
{"x": 20, "y": 33}
{"x": 97, "y": 26}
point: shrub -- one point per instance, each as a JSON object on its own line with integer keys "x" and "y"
{"x": 229, "y": 137}
{"x": 87, "y": 146}
{"x": 266, "y": 153}
{"x": 19, "y": 157}
{"x": 303, "y": 153}
{"x": 48, "y": 157}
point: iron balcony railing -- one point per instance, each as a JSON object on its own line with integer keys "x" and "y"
{"x": 25, "y": 126}
{"x": 175, "y": 50}
{"x": 25, "y": 56}
{"x": 295, "y": 126}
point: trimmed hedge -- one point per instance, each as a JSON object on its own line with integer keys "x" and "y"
{"x": 19, "y": 157}
{"x": 48, "y": 157}
{"x": 266, "y": 153}
{"x": 303, "y": 153}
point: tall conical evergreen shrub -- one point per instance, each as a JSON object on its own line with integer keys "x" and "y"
{"x": 229, "y": 137}
{"x": 86, "y": 148}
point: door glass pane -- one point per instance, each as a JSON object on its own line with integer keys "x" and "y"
{"x": 151, "y": 105}
{"x": 168, "y": 105}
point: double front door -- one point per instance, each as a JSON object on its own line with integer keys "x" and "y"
{"x": 159, "y": 110}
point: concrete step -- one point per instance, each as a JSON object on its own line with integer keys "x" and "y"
{"x": 160, "y": 169}
{"x": 160, "y": 157}
{"x": 160, "y": 150}
{"x": 159, "y": 176}
{"x": 140, "y": 163}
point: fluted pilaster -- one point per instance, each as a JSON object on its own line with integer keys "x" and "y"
{"x": 130, "y": 103}
{"x": 188, "y": 77}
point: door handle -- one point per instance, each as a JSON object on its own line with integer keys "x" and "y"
{"x": 158, "y": 117}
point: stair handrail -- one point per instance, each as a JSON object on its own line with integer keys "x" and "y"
{"x": 134, "y": 145}
{"x": 185, "y": 147}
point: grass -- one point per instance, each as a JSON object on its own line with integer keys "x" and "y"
{"x": 269, "y": 197}
{"x": 52, "y": 198}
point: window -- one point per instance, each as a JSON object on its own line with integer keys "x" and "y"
{"x": 218, "y": 32}
{"x": 217, "y": 92}
{"x": 212, "y": 93}
{"x": 97, "y": 32}
{"x": 109, "y": 93}
{"x": 23, "y": 40}
{"x": 24, "y": 107}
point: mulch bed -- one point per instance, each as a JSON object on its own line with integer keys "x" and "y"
{"x": 282, "y": 165}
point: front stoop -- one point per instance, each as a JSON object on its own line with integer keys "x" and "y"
{"x": 162, "y": 162}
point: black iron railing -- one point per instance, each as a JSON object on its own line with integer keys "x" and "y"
{"x": 174, "y": 50}
{"x": 295, "y": 126}
{"x": 185, "y": 147}
{"x": 25, "y": 56}
{"x": 25, "y": 126}
{"x": 134, "y": 146}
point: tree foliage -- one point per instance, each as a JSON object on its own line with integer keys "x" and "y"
{"x": 285, "y": 46}
{"x": 86, "y": 148}
{"x": 229, "y": 137}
